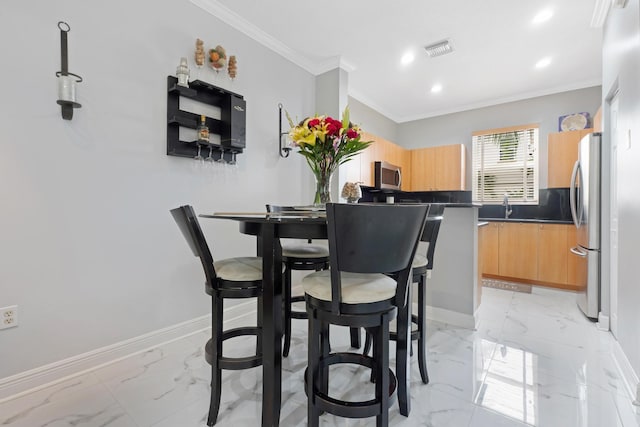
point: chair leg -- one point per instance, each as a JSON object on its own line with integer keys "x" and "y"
{"x": 367, "y": 343}
{"x": 355, "y": 337}
{"x": 313, "y": 356}
{"x": 381, "y": 355}
{"x": 259, "y": 318}
{"x": 402, "y": 355}
{"x": 216, "y": 348}
{"x": 422, "y": 330}
{"x": 287, "y": 312}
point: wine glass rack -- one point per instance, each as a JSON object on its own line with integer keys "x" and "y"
{"x": 231, "y": 127}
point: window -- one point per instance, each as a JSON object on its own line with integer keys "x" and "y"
{"x": 505, "y": 161}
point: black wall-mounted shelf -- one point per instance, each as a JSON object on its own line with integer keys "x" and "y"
{"x": 231, "y": 126}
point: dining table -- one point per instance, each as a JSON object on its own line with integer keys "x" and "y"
{"x": 269, "y": 228}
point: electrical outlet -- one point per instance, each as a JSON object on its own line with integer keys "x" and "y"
{"x": 8, "y": 317}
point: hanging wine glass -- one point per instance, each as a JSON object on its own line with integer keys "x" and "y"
{"x": 199, "y": 156}
{"x": 210, "y": 157}
{"x": 221, "y": 159}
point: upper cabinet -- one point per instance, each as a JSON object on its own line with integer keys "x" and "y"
{"x": 360, "y": 168}
{"x": 563, "y": 153}
{"x": 427, "y": 169}
{"x": 440, "y": 168}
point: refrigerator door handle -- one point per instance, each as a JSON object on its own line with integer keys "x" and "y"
{"x": 576, "y": 250}
{"x": 572, "y": 194}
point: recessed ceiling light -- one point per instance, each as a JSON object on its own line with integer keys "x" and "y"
{"x": 436, "y": 88}
{"x": 543, "y": 62}
{"x": 542, "y": 16}
{"x": 407, "y": 58}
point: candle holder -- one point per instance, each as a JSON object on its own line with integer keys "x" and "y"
{"x": 66, "y": 80}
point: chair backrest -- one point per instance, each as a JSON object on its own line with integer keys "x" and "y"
{"x": 373, "y": 238}
{"x": 431, "y": 230}
{"x": 188, "y": 223}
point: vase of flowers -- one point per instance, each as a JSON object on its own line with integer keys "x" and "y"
{"x": 326, "y": 143}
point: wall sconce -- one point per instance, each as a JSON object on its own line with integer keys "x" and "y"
{"x": 284, "y": 151}
{"x": 66, "y": 80}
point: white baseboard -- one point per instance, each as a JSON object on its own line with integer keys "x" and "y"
{"x": 629, "y": 376}
{"x": 28, "y": 381}
{"x": 603, "y": 322}
{"x": 454, "y": 318}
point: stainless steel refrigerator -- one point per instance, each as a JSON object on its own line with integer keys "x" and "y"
{"x": 585, "y": 199}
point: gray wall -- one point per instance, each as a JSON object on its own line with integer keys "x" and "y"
{"x": 621, "y": 70}
{"x": 457, "y": 128}
{"x": 372, "y": 121}
{"x": 89, "y": 251}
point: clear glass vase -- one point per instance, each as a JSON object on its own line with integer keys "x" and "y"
{"x": 323, "y": 187}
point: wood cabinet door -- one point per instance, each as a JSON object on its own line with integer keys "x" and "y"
{"x": 576, "y": 266}
{"x": 489, "y": 248}
{"x": 562, "y": 154}
{"x": 518, "y": 250}
{"x": 553, "y": 253}
{"x": 449, "y": 168}
{"x": 422, "y": 169}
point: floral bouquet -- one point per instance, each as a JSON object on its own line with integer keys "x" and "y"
{"x": 326, "y": 143}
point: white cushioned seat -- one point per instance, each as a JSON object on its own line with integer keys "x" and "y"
{"x": 418, "y": 259}
{"x": 242, "y": 269}
{"x": 305, "y": 251}
{"x": 357, "y": 288}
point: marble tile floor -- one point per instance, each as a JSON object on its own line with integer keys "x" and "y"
{"x": 535, "y": 360}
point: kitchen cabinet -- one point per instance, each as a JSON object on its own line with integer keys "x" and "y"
{"x": 361, "y": 167}
{"x": 553, "y": 253}
{"x": 576, "y": 266}
{"x": 562, "y": 154}
{"x": 518, "y": 250}
{"x": 440, "y": 168}
{"x": 489, "y": 244}
{"x": 532, "y": 253}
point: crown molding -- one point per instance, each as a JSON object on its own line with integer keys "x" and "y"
{"x": 600, "y": 12}
{"x": 490, "y": 103}
{"x": 236, "y": 21}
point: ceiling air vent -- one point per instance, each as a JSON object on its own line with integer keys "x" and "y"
{"x": 439, "y": 49}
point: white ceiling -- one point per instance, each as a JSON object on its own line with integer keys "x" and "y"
{"x": 496, "y": 47}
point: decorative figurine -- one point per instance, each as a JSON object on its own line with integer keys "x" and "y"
{"x": 199, "y": 53}
{"x": 217, "y": 58}
{"x": 233, "y": 67}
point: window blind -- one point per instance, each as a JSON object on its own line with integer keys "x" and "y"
{"x": 505, "y": 161}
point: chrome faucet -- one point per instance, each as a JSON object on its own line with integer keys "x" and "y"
{"x": 505, "y": 203}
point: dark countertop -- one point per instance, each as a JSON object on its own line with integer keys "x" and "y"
{"x": 534, "y": 220}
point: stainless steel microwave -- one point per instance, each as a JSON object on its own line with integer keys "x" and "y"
{"x": 387, "y": 176}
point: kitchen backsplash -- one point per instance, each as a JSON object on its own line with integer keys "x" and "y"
{"x": 553, "y": 202}
{"x": 553, "y": 205}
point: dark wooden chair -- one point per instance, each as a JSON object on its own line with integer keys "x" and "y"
{"x": 366, "y": 241}
{"x": 228, "y": 278}
{"x": 422, "y": 264}
{"x": 297, "y": 257}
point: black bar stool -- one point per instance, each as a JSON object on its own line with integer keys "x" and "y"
{"x": 297, "y": 257}
{"x": 365, "y": 241}
{"x": 422, "y": 263}
{"x": 228, "y": 278}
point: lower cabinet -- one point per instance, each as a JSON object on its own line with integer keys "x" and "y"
{"x": 531, "y": 252}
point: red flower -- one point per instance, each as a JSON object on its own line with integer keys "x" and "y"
{"x": 352, "y": 133}
{"x": 333, "y": 126}
{"x": 313, "y": 122}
